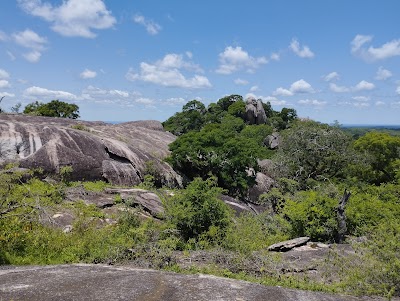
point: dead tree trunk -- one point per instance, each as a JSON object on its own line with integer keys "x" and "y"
{"x": 341, "y": 217}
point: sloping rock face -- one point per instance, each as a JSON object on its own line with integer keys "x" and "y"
{"x": 94, "y": 150}
{"x": 99, "y": 282}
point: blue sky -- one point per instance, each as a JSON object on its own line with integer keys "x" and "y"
{"x": 131, "y": 60}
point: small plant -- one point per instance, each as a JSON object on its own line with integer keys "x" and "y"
{"x": 80, "y": 127}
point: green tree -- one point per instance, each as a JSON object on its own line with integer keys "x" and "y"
{"x": 197, "y": 211}
{"x": 219, "y": 150}
{"x": 382, "y": 152}
{"x": 313, "y": 151}
{"x": 55, "y": 108}
{"x": 190, "y": 119}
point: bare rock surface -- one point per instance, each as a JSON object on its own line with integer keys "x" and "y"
{"x": 98, "y": 282}
{"x": 288, "y": 244}
{"x": 95, "y": 150}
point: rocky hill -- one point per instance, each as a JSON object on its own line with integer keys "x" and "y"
{"x": 95, "y": 150}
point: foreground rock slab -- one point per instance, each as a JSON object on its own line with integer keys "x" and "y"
{"x": 98, "y": 282}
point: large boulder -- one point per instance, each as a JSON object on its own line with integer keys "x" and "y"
{"x": 95, "y": 150}
{"x": 255, "y": 113}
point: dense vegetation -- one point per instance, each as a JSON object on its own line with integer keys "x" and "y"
{"x": 218, "y": 152}
{"x": 54, "y": 108}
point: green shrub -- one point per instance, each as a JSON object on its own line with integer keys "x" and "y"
{"x": 197, "y": 212}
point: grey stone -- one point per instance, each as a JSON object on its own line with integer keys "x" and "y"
{"x": 80, "y": 282}
{"x": 288, "y": 244}
{"x": 95, "y": 150}
{"x": 255, "y": 113}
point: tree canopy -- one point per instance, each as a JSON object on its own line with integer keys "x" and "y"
{"x": 55, "y": 108}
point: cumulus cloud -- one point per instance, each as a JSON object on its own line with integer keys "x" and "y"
{"x": 72, "y": 18}
{"x": 4, "y": 84}
{"x": 6, "y": 94}
{"x": 33, "y": 56}
{"x": 38, "y": 92}
{"x": 361, "y": 98}
{"x": 271, "y": 99}
{"x": 331, "y": 76}
{"x": 364, "y": 86}
{"x": 379, "y": 103}
{"x": 175, "y": 101}
{"x": 235, "y": 59}
{"x": 86, "y": 74}
{"x": 303, "y": 52}
{"x": 4, "y": 74}
{"x": 239, "y": 81}
{"x": 115, "y": 97}
{"x": 31, "y": 40}
{"x": 168, "y": 72}
{"x": 398, "y": 90}
{"x": 383, "y": 74}
{"x": 300, "y": 86}
{"x": 312, "y": 102}
{"x": 282, "y": 92}
{"x": 151, "y": 27}
{"x": 387, "y": 50}
{"x": 361, "y": 86}
{"x": 275, "y": 56}
{"x": 254, "y": 88}
{"x": 338, "y": 89}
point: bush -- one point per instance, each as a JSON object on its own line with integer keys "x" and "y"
{"x": 197, "y": 212}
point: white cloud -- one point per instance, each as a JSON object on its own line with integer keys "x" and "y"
{"x": 175, "y": 101}
{"x": 114, "y": 97}
{"x": 119, "y": 93}
{"x": 359, "y": 41}
{"x": 273, "y": 100}
{"x": 30, "y": 39}
{"x": 37, "y": 92}
{"x": 33, "y": 56}
{"x": 364, "y": 86}
{"x": 239, "y": 81}
{"x": 4, "y": 74}
{"x": 282, "y": 92}
{"x": 300, "y": 86}
{"x": 312, "y": 102}
{"x": 387, "y": 50}
{"x": 235, "y": 59}
{"x": 361, "y": 98}
{"x": 398, "y": 90}
{"x": 338, "y": 89}
{"x": 331, "y": 76}
{"x": 303, "y": 52}
{"x": 379, "y": 103}
{"x": 151, "y": 27}
{"x": 6, "y": 94}
{"x": 85, "y": 74}
{"x": 167, "y": 72}
{"x": 4, "y": 84}
{"x": 275, "y": 56}
{"x": 254, "y": 89}
{"x": 383, "y": 74}
{"x": 73, "y": 18}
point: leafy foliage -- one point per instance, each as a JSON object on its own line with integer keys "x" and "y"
{"x": 313, "y": 151}
{"x": 55, "y": 108}
{"x": 382, "y": 152}
{"x": 197, "y": 212}
{"x": 223, "y": 151}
